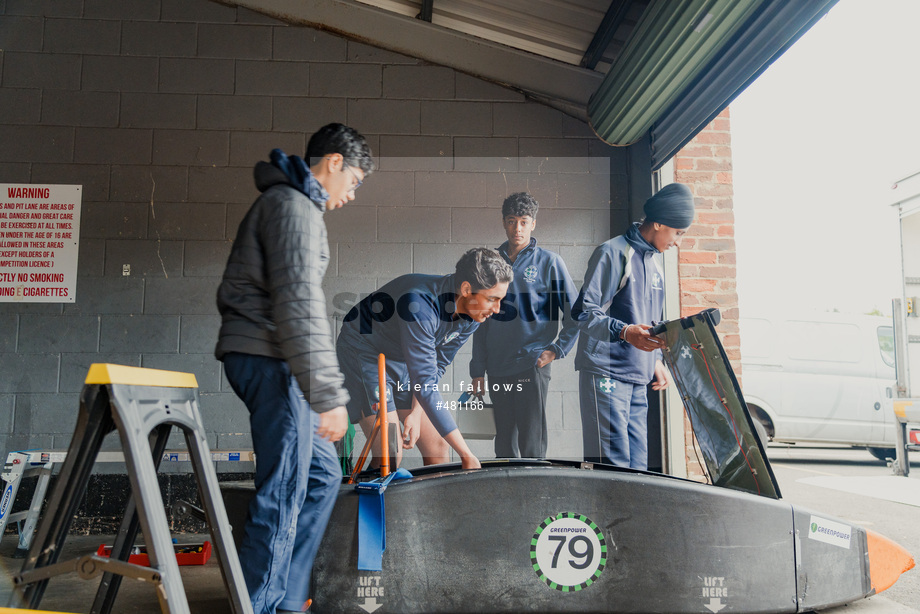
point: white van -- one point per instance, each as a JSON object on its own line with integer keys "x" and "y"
{"x": 826, "y": 378}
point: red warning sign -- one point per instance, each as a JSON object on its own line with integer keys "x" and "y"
{"x": 39, "y": 242}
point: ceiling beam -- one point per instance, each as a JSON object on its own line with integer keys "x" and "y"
{"x": 427, "y": 11}
{"x": 555, "y": 83}
{"x": 615, "y": 15}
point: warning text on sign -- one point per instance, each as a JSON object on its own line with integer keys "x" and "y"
{"x": 39, "y": 229}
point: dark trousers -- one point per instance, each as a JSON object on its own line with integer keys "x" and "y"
{"x": 297, "y": 481}
{"x": 519, "y": 405}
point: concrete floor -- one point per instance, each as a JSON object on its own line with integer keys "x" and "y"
{"x": 68, "y": 593}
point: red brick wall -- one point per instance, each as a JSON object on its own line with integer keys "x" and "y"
{"x": 707, "y": 252}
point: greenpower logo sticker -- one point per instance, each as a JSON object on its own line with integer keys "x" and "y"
{"x": 830, "y": 532}
{"x": 568, "y": 552}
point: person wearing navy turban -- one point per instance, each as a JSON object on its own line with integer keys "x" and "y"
{"x": 622, "y": 295}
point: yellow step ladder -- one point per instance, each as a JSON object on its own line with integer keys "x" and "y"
{"x": 142, "y": 405}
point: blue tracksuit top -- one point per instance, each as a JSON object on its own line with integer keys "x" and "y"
{"x": 539, "y": 296}
{"x": 623, "y": 285}
{"x": 407, "y": 320}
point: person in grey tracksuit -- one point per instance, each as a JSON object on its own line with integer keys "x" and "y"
{"x": 622, "y": 296}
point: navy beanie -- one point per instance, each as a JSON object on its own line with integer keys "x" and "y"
{"x": 672, "y": 206}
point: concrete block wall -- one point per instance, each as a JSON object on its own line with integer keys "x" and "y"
{"x": 160, "y": 110}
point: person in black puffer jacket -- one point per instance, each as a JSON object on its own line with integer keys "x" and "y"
{"x": 278, "y": 353}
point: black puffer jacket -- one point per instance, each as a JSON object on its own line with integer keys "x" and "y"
{"x": 271, "y": 300}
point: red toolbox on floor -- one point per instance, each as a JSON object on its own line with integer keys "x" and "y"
{"x": 186, "y": 554}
